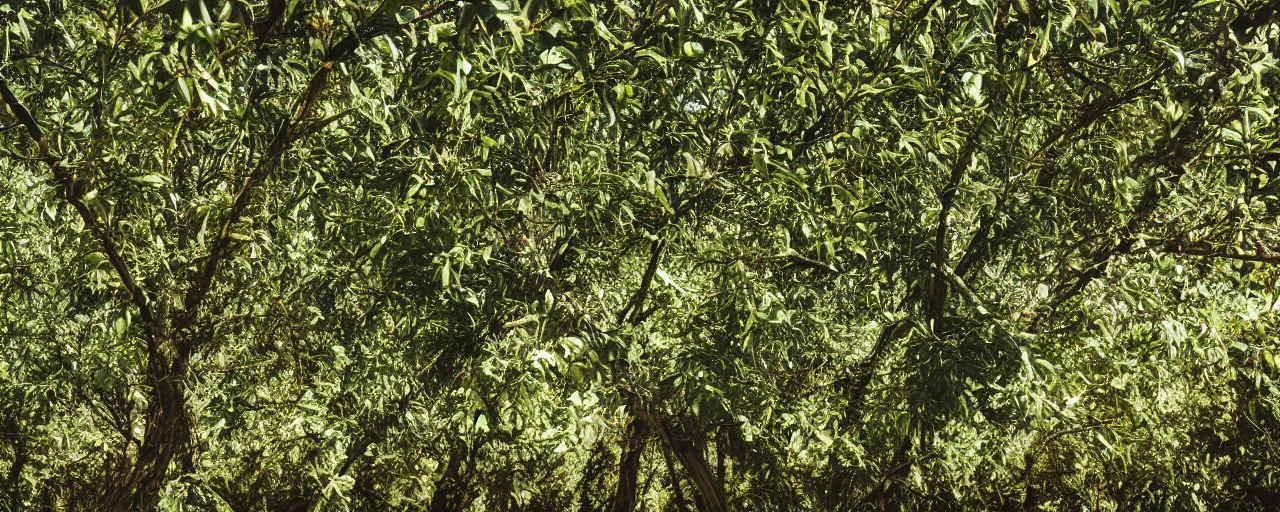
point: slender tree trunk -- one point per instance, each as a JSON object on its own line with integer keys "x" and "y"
{"x": 449, "y": 494}
{"x": 675, "y": 480}
{"x": 711, "y": 496}
{"x": 168, "y": 432}
{"x": 855, "y": 389}
{"x": 722, "y": 439}
{"x": 13, "y": 482}
{"x": 888, "y": 492}
{"x": 591, "y": 489}
{"x": 624, "y": 498}
{"x": 1028, "y": 469}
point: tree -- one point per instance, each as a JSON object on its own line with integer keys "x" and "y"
{"x": 692, "y": 254}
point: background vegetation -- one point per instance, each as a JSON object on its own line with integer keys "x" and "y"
{"x": 623, "y": 255}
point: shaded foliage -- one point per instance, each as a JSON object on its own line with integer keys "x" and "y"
{"x": 680, "y": 255}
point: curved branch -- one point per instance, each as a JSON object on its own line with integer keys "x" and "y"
{"x": 280, "y": 143}
{"x": 24, "y": 116}
{"x": 67, "y": 187}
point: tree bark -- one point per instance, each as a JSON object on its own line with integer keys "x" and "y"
{"x": 711, "y": 496}
{"x": 449, "y": 494}
{"x": 675, "y": 480}
{"x": 168, "y": 432}
{"x": 624, "y": 498}
{"x": 13, "y": 482}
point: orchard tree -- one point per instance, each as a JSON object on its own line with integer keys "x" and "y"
{"x": 624, "y": 255}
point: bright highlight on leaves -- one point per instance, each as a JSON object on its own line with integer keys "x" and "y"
{"x": 625, "y": 255}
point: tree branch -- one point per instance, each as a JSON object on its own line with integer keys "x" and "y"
{"x": 1257, "y": 256}
{"x": 345, "y": 47}
{"x": 24, "y": 116}
{"x": 624, "y": 496}
{"x": 938, "y": 295}
{"x": 687, "y": 451}
{"x": 280, "y": 143}
{"x": 67, "y": 187}
{"x": 636, "y": 304}
{"x": 681, "y": 505}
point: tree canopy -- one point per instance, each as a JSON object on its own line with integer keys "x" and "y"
{"x": 639, "y": 255}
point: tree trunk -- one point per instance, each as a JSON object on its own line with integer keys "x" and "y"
{"x": 591, "y": 489}
{"x": 624, "y": 499}
{"x": 168, "y": 432}
{"x": 13, "y": 482}
{"x": 449, "y": 493}
{"x": 711, "y": 496}
{"x": 675, "y": 480}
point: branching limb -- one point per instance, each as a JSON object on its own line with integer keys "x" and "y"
{"x": 67, "y": 185}
{"x": 636, "y": 304}
{"x": 19, "y": 111}
{"x": 938, "y": 293}
{"x": 1208, "y": 252}
{"x": 280, "y": 143}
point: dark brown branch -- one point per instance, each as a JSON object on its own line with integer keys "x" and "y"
{"x": 348, "y": 45}
{"x": 636, "y": 304}
{"x": 55, "y": 64}
{"x": 624, "y": 498}
{"x": 885, "y": 487}
{"x": 976, "y": 250}
{"x": 979, "y": 246}
{"x": 24, "y": 116}
{"x": 1099, "y": 107}
{"x": 1258, "y": 256}
{"x": 674, "y": 478}
{"x": 854, "y": 387}
{"x": 280, "y": 143}
{"x": 67, "y": 185}
{"x": 1174, "y": 167}
{"x": 430, "y": 13}
{"x": 797, "y": 260}
{"x": 262, "y": 29}
{"x": 821, "y": 128}
{"x": 711, "y": 496}
{"x": 938, "y": 295}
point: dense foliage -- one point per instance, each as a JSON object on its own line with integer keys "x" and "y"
{"x": 624, "y": 254}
